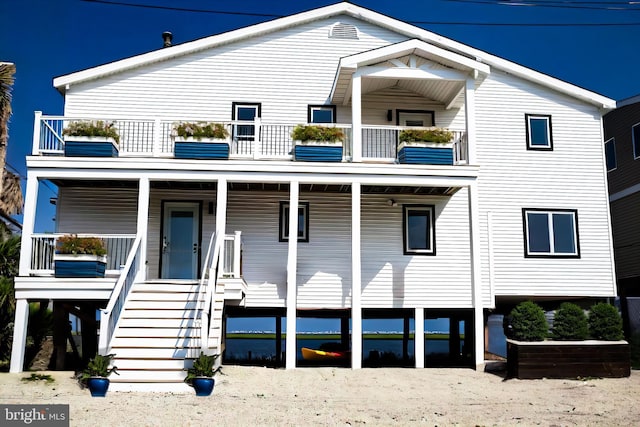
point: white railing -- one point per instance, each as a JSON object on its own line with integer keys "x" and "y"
{"x": 43, "y": 248}
{"x": 206, "y": 289}
{"x": 381, "y": 143}
{"x": 232, "y": 255}
{"x": 110, "y": 315}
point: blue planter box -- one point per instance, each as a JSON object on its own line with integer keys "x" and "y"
{"x": 425, "y": 155}
{"x": 88, "y": 147}
{"x": 201, "y": 150}
{"x": 79, "y": 266}
{"x": 318, "y": 153}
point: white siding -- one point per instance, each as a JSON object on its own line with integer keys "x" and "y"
{"x": 96, "y": 210}
{"x": 285, "y": 70}
{"x": 569, "y": 177}
{"x": 391, "y": 279}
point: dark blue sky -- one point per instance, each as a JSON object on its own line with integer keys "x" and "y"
{"x": 47, "y": 38}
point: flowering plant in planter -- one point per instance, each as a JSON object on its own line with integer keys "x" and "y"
{"x": 200, "y": 375}
{"x": 92, "y": 128}
{"x": 200, "y": 130}
{"x": 72, "y": 244}
{"x": 96, "y": 375}
{"x": 306, "y": 133}
{"x": 435, "y": 135}
{"x": 80, "y": 257}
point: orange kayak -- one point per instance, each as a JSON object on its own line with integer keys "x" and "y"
{"x": 311, "y": 354}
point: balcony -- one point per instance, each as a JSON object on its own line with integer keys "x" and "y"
{"x": 248, "y": 140}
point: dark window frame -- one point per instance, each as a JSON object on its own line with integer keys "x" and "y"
{"x": 432, "y": 230}
{"x": 432, "y": 112}
{"x": 235, "y": 104}
{"x": 326, "y": 106}
{"x": 283, "y": 221}
{"x": 527, "y": 122}
{"x": 550, "y": 254}
{"x": 635, "y": 143}
{"x": 614, "y": 159}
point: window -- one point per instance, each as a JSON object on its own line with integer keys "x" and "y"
{"x": 244, "y": 134}
{"x": 303, "y": 221}
{"x": 610, "y": 154}
{"x": 551, "y": 233}
{"x": 418, "y": 230}
{"x": 321, "y": 114}
{"x": 635, "y": 137}
{"x": 539, "y": 132}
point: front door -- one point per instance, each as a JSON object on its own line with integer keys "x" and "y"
{"x": 180, "y": 240}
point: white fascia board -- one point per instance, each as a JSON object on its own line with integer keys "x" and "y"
{"x": 200, "y": 44}
{"x": 411, "y": 73}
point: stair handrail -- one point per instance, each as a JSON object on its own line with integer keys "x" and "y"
{"x": 109, "y": 316}
{"x": 208, "y": 283}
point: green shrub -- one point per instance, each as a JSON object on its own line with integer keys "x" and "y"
{"x": 199, "y": 130}
{"x": 317, "y": 133}
{"x": 528, "y": 322}
{"x": 203, "y": 366}
{"x": 605, "y": 323}
{"x": 72, "y": 244}
{"x": 92, "y": 128}
{"x": 437, "y": 135}
{"x": 570, "y": 323}
{"x": 99, "y": 367}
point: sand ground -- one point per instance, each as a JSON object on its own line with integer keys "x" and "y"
{"x": 253, "y": 396}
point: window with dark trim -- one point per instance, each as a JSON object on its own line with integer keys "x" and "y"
{"x": 551, "y": 233}
{"x": 321, "y": 114}
{"x": 539, "y": 135}
{"x": 244, "y": 134}
{"x": 635, "y": 138}
{"x": 610, "y": 154}
{"x": 418, "y": 229}
{"x": 303, "y": 222}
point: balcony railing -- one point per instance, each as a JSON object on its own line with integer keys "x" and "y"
{"x": 248, "y": 140}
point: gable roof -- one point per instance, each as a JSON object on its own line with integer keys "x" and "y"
{"x": 343, "y": 8}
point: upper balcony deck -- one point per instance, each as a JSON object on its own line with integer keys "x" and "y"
{"x": 247, "y": 140}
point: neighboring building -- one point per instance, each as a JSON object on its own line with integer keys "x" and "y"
{"x": 516, "y": 209}
{"x": 622, "y": 145}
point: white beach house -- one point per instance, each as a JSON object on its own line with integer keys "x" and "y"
{"x": 514, "y": 207}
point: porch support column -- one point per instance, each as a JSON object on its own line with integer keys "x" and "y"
{"x": 356, "y": 118}
{"x": 221, "y": 208}
{"x": 142, "y": 226}
{"x": 356, "y": 278}
{"x": 22, "y": 305}
{"x": 476, "y": 282}
{"x": 19, "y": 336}
{"x": 470, "y": 118}
{"x": 28, "y": 224}
{"x": 418, "y": 337}
{"x": 292, "y": 261}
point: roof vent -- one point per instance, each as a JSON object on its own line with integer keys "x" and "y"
{"x": 343, "y": 31}
{"x": 167, "y": 37}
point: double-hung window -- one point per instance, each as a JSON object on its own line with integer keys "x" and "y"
{"x": 244, "y": 135}
{"x": 539, "y": 135}
{"x": 551, "y": 233}
{"x": 418, "y": 229}
{"x": 303, "y": 222}
{"x": 321, "y": 114}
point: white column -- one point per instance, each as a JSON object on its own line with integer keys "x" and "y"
{"x": 470, "y": 118}
{"x": 476, "y": 282}
{"x": 356, "y": 279}
{"x": 418, "y": 337}
{"x": 19, "y": 336}
{"x": 292, "y": 261}
{"x": 356, "y": 118}
{"x": 142, "y": 225}
{"x": 28, "y": 223}
{"x": 36, "y": 133}
{"x": 221, "y": 208}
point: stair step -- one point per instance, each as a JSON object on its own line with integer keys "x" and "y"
{"x": 145, "y": 322}
{"x": 153, "y": 342}
{"x": 158, "y": 314}
{"x": 157, "y": 332}
{"x": 164, "y": 287}
{"x": 159, "y": 364}
{"x": 165, "y": 296}
{"x": 174, "y": 375}
{"x": 156, "y": 353}
{"x": 162, "y": 305}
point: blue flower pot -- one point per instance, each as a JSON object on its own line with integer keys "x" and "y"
{"x": 203, "y": 386}
{"x": 98, "y": 386}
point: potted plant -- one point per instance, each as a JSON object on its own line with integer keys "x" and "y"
{"x": 80, "y": 257}
{"x": 200, "y": 140}
{"x": 314, "y": 143}
{"x": 96, "y": 375}
{"x": 200, "y": 375}
{"x": 432, "y": 146}
{"x": 569, "y": 354}
{"x": 91, "y": 138}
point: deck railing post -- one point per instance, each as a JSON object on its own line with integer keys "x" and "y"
{"x": 256, "y": 138}
{"x": 157, "y": 138}
{"x": 36, "y": 133}
{"x": 237, "y": 253}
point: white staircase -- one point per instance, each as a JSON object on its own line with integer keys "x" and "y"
{"x": 158, "y": 335}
